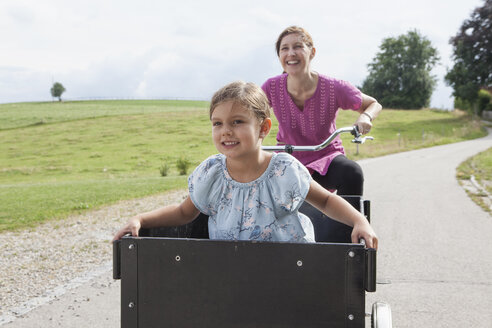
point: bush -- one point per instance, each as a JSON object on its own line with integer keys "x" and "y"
{"x": 164, "y": 169}
{"x": 484, "y": 98}
{"x": 182, "y": 164}
{"x": 462, "y": 104}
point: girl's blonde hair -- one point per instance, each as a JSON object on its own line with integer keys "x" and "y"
{"x": 248, "y": 95}
{"x": 306, "y": 38}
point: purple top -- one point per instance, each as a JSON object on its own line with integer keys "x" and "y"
{"x": 316, "y": 122}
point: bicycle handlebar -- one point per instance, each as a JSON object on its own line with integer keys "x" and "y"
{"x": 358, "y": 138}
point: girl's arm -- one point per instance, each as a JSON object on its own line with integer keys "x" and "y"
{"x": 172, "y": 215}
{"x": 339, "y": 209}
{"x": 369, "y": 110}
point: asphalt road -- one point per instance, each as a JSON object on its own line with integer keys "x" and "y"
{"x": 435, "y": 255}
{"x": 435, "y": 245}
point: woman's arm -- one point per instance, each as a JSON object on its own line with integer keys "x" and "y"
{"x": 368, "y": 110}
{"x": 172, "y": 215}
{"x": 339, "y": 209}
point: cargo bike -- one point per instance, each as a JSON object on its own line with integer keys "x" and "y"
{"x": 177, "y": 277}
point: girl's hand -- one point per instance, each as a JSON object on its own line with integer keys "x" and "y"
{"x": 133, "y": 226}
{"x": 363, "y": 124}
{"x": 364, "y": 230}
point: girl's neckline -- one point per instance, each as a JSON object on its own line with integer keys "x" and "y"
{"x": 249, "y": 183}
{"x": 307, "y": 100}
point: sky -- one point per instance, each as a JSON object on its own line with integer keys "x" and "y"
{"x": 187, "y": 49}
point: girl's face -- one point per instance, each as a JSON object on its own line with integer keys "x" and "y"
{"x": 236, "y": 132}
{"x": 294, "y": 55}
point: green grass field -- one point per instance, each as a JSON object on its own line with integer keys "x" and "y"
{"x": 479, "y": 166}
{"x": 17, "y": 115}
{"x": 61, "y": 158}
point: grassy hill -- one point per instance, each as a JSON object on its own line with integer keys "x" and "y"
{"x": 59, "y": 158}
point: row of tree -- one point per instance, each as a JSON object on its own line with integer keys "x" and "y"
{"x": 400, "y": 74}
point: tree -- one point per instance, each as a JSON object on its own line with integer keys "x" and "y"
{"x": 57, "y": 90}
{"x": 399, "y": 76}
{"x": 472, "y": 55}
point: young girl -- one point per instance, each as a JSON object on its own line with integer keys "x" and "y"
{"x": 248, "y": 193}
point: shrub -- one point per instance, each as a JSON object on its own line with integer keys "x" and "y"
{"x": 462, "y": 104}
{"x": 182, "y": 164}
{"x": 164, "y": 169}
{"x": 484, "y": 98}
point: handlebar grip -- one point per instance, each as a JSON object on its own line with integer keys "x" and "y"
{"x": 355, "y": 132}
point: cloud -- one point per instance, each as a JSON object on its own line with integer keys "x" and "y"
{"x": 188, "y": 49}
{"x": 18, "y": 84}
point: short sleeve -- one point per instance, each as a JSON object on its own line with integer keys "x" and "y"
{"x": 348, "y": 96}
{"x": 290, "y": 181}
{"x": 266, "y": 89}
{"x": 206, "y": 183}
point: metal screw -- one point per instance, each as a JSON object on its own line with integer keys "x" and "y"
{"x": 351, "y": 317}
{"x": 351, "y": 254}
{"x": 132, "y": 246}
{"x": 299, "y": 263}
{"x": 131, "y": 305}
{"x": 178, "y": 258}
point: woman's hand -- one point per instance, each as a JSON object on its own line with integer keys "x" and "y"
{"x": 369, "y": 110}
{"x": 363, "y": 123}
{"x": 364, "y": 230}
{"x": 133, "y": 227}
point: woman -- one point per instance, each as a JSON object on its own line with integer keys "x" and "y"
{"x": 306, "y": 105}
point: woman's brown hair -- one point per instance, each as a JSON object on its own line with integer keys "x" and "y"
{"x": 306, "y": 37}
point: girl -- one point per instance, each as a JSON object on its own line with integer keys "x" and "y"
{"x": 248, "y": 193}
{"x": 306, "y": 105}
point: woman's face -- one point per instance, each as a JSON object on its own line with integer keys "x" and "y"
{"x": 294, "y": 55}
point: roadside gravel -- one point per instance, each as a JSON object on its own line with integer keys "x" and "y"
{"x": 35, "y": 261}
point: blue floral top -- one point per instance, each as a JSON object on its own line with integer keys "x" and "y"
{"x": 265, "y": 209}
